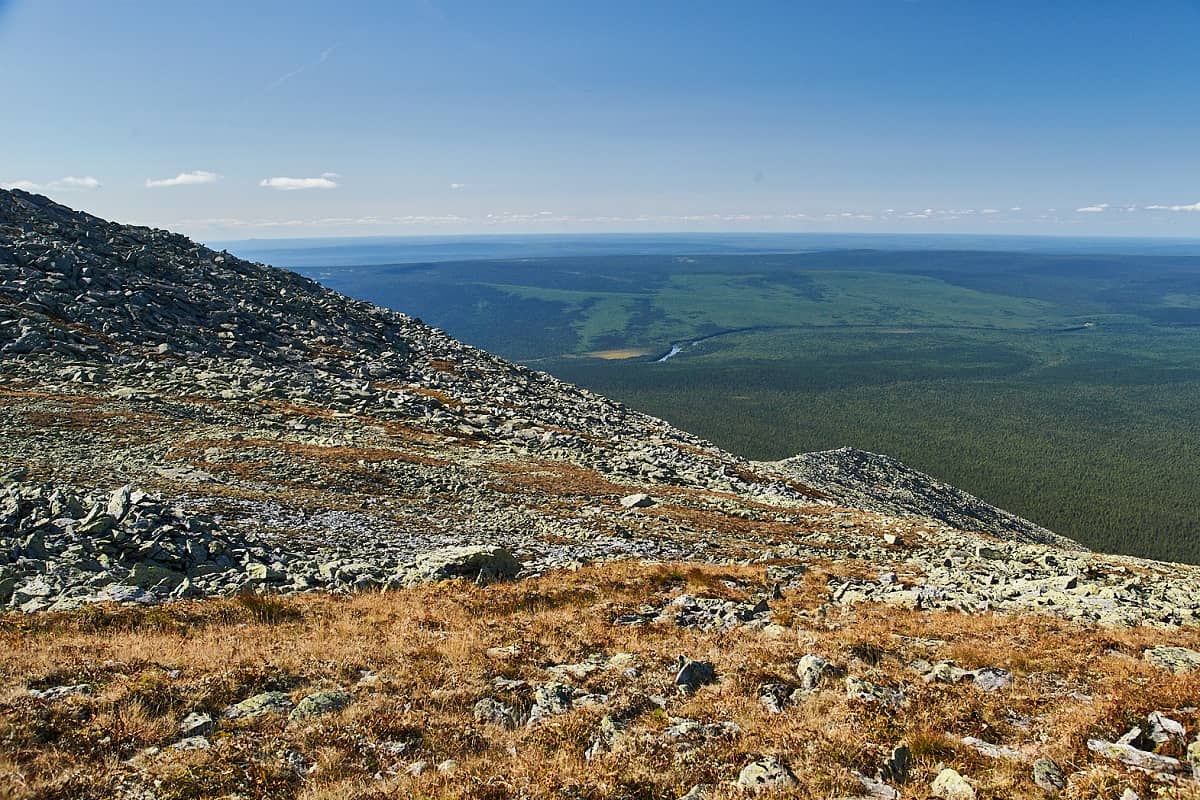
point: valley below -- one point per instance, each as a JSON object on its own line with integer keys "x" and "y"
{"x": 1083, "y": 370}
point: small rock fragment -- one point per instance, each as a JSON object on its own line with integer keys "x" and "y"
{"x": 637, "y": 501}
{"x": 196, "y": 724}
{"x": 1048, "y": 775}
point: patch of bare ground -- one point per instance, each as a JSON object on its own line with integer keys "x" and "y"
{"x": 425, "y": 652}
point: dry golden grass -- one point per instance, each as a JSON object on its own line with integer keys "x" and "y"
{"x": 556, "y": 478}
{"x": 427, "y": 649}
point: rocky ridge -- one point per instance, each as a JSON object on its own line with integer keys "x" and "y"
{"x": 279, "y": 436}
{"x": 882, "y": 484}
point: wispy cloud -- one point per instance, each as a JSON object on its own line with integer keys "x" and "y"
{"x": 457, "y": 186}
{"x": 1189, "y": 207}
{"x": 70, "y": 183}
{"x": 1094, "y": 209}
{"x": 321, "y": 59}
{"x": 328, "y": 180}
{"x": 192, "y": 178}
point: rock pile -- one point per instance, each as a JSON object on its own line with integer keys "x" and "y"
{"x": 60, "y": 550}
{"x": 1016, "y": 578}
{"x": 880, "y": 483}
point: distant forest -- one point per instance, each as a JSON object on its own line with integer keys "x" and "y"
{"x": 1065, "y": 388}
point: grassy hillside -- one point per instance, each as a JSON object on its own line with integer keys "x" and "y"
{"x": 410, "y": 667}
{"x": 1064, "y": 388}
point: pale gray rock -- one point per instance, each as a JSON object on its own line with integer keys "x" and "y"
{"x": 550, "y": 699}
{"x": 1133, "y": 757}
{"x": 491, "y": 711}
{"x": 61, "y": 692}
{"x": 949, "y": 785}
{"x": 637, "y": 501}
{"x": 1164, "y": 730}
{"x": 605, "y": 737}
{"x": 867, "y": 692}
{"x": 192, "y": 743}
{"x": 812, "y": 670}
{"x": 766, "y": 773}
{"x": 479, "y": 563}
{"x": 1173, "y": 659}
{"x": 196, "y": 724}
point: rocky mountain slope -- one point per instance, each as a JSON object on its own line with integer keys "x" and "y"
{"x": 882, "y": 484}
{"x": 179, "y": 424}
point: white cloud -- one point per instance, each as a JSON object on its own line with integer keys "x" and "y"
{"x": 71, "y": 182}
{"x": 990, "y": 211}
{"x": 192, "y": 178}
{"x": 68, "y": 184}
{"x": 457, "y": 186}
{"x": 1095, "y": 209}
{"x": 328, "y": 180}
{"x": 1189, "y": 207}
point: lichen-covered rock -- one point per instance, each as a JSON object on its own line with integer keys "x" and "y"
{"x": 1135, "y": 757}
{"x": 949, "y": 785}
{"x": 326, "y": 701}
{"x": 196, "y": 724}
{"x": 491, "y": 711}
{"x": 259, "y": 705}
{"x": 1173, "y": 659}
{"x": 766, "y": 773}
{"x": 812, "y": 670}
{"x": 1048, "y": 775}
{"x": 871, "y": 693}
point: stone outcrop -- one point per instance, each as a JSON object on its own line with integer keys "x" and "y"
{"x": 880, "y": 483}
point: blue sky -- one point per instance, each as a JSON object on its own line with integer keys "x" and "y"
{"x": 303, "y": 118}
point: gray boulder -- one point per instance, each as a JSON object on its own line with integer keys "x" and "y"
{"x": 259, "y": 705}
{"x": 196, "y": 724}
{"x": 320, "y": 703}
{"x": 691, "y": 675}
{"x": 1173, "y": 659}
{"x": 491, "y": 711}
{"x": 1048, "y": 775}
{"x": 479, "y": 563}
{"x": 764, "y": 774}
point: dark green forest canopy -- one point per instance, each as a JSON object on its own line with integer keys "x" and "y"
{"x": 1064, "y": 388}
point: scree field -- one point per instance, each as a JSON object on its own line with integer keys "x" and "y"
{"x": 1064, "y": 388}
